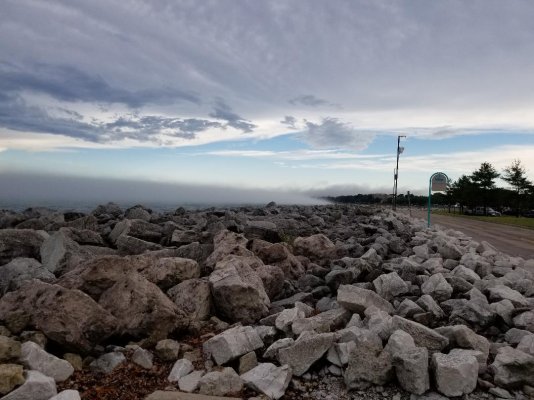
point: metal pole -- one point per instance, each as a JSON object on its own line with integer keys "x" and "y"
{"x": 429, "y": 198}
{"x": 409, "y": 204}
{"x": 396, "y": 175}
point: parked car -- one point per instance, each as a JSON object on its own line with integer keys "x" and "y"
{"x": 529, "y": 214}
{"x": 489, "y": 212}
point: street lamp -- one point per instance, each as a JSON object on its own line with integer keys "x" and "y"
{"x": 396, "y": 172}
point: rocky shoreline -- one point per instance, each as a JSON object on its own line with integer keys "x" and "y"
{"x": 318, "y": 302}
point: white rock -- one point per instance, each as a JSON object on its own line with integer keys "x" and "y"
{"x": 272, "y": 351}
{"x": 35, "y": 358}
{"x": 232, "y": 343}
{"x": 437, "y": 287}
{"x": 190, "y": 382}
{"x": 268, "y": 379}
{"x": 67, "y": 395}
{"x": 180, "y": 368}
{"x": 286, "y": 318}
{"x": 221, "y": 383}
{"x": 143, "y": 358}
{"x": 307, "y": 349}
{"x": 356, "y": 299}
{"x": 390, "y": 285}
{"x": 106, "y": 363}
{"x": 36, "y": 387}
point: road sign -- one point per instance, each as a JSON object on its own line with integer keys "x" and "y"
{"x": 439, "y": 182}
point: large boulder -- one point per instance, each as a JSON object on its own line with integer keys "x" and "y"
{"x": 193, "y": 297}
{"x": 232, "y": 343}
{"x": 238, "y": 291}
{"x": 9, "y": 349}
{"x": 422, "y": 335}
{"x": 167, "y": 272}
{"x": 265, "y": 230}
{"x": 513, "y": 368}
{"x": 411, "y": 368}
{"x": 35, "y": 358}
{"x": 356, "y": 299}
{"x": 20, "y": 243}
{"x": 227, "y": 243}
{"x": 307, "y": 349}
{"x": 68, "y": 317}
{"x": 317, "y": 248}
{"x": 60, "y": 254}
{"x": 142, "y": 309}
{"x": 20, "y": 270}
{"x": 136, "y": 228}
{"x": 437, "y": 287}
{"x": 268, "y": 379}
{"x": 220, "y": 383}
{"x": 455, "y": 374}
{"x": 279, "y": 255}
{"x": 390, "y": 285}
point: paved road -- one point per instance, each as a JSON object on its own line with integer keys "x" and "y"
{"x": 508, "y": 239}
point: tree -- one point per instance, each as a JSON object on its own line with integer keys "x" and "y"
{"x": 515, "y": 175}
{"x": 484, "y": 180}
{"x": 463, "y": 191}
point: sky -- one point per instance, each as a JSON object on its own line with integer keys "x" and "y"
{"x": 274, "y": 96}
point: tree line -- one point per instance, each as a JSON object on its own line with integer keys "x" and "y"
{"x": 477, "y": 189}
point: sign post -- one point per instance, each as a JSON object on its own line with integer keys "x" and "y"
{"x": 438, "y": 183}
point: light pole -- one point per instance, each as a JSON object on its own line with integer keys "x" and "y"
{"x": 396, "y": 172}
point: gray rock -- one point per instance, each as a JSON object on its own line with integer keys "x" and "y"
{"x": 35, "y": 358}
{"x": 378, "y": 322}
{"x": 180, "y": 369}
{"x": 513, "y": 336}
{"x": 527, "y": 344}
{"x": 286, "y": 318}
{"x": 221, "y": 383}
{"x": 60, "y": 254}
{"x": 422, "y": 336}
{"x": 455, "y": 374}
{"x": 36, "y": 387}
{"x": 501, "y": 393}
{"x": 272, "y": 351}
{"x": 501, "y": 292}
{"x": 513, "y": 368}
{"x": 324, "y": 322}
{"x": 20, "y": 270}
{"x": 190, "y": 382}
{"x": 317, "y": 248}
{"x": 338, "y": 354}
{"x": 449, "y": 250}
{"x": 398, "y": 342}
{"x": 238, "y": 291}
{"x": 356, "y": 299}
{"x": 465, "y": 273}
{"x": 167, "y": 349}
{"x": 247, "y": 362}
{"x": 462, "y": 336}
{"x": 143, "y": 358}
{"x": 408, "y": 308}
{"x": 268, "y": 379}
{"x": 129, "y": 245}
{"x": 307, "y": 349}
{"x": 232, "y": 343}
{"x": 338, "y": 277}
{"x": 525, "y": 321}
{"x": 67, "y": 395}
{"x": 16, "y": 243}
{"x": 167, "y": 272}
{"x": 390, "y": 285}
{"x": 107, "y": 363}
{"x": 437, "y": 287}
{"x": 503, "y": 309}
{"x": 193, "y": 296}
{"x": 481, "y": 357}
{"x": 428, "y": 304}
{"x": 411, "y": 368}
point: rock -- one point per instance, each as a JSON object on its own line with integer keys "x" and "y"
{"x": 455, "y": 374}
{"x": 368, "y": 364}
{"x": 36, "y": 387}
{"x": 67, "y": 395}
{"x": 268, "y": 379}
{"x": 136, "y": 228}
{"x": 20, "y": 270}
{"x": 143, "y": 358}
{"x": 527, "y": 344}
{"x": 437, "y": 287}
{"x": 339, "y": 353}
{"x": 68, "y": 317}
{"x": 167, "y": 349}
{"x": 272, "y": 351}
{"x": 279, "y": 255}
{"x": 428, "y": 304}
{"x": 16, "y": 243}
{"x": 180, "y": 369}
{"x": 238, "y": 291}
{"x": 271, "y": 276}
{"x": 193, "y": 297}
{"x": 481, "y": 357}
{"x": 138, "y": 212}
{"x": 247, "y": 362}
{"x": 323, "y": 322}
{"x": 465, "y": 273}
{"x": 75, "y": 360}
{"x": 503, "y": 309}
{"x": 221, "y": 383}
{"x": 265, "y": 230}
{"x": 286, "y": 318}
{"x": 408, "y": 308}
{"x": 338, "y": 277}
{"x": 232, "y": 343}
{"x": 501, "y": 393}
{"x": 449, "y": 250}
{"x": 170, "y": 271}
{"x": 227, "y": 243}
{"x": 307, "y": 349}
{"x": 131, "y": 245}
{"x": 390, "y": 285}
{"x": 317, "y": 248}
{"x": 422, "y": 336}
{"x": 398, "y": 342}
{"x": 10, "y": 377}
{"x": 411, "y": 368}
{"x": 142, "y": 309}
{"x": 109, "y": 210}
{"x": 513, "y": 368}
{"x": 106, "y": 363}
{"x": 525, "y": 321}
{"x": 356, "y": 299}
{"x": 501, "y": 292}
{"x": 60, "y": 254}
{"x": 190, "y": 382}
{"x": 462, "y": 336}
{"x": 35, "y": 358}
{"x": 378, "y": 322}
{"x": 9, "y": 349}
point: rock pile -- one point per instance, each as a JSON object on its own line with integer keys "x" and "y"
{"x": 259, "y": 300}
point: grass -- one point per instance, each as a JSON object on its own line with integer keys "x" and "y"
{"x": 503, "y": 220}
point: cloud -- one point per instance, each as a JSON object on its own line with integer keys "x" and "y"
{"x": 223, "y": 111}
{"x": 331, "y": 133}
{"x": 295, "y": 155}
{"x": 309, "y": 100}
{"x": 70, "y": 84}
{"x": 289, "y": 121}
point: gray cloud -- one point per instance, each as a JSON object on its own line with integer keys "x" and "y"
{"x": 70, "y": 84}
{"x": 224, "y": 112}
{"x": 331, "y": 133}
{"x": 309, "y": 100}
{"x": 289, "y": 121}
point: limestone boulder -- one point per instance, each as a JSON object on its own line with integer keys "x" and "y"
{"x": 130, "y": 245}
{"x": 265, "y": 230}
{"x": 272, "y": 278}
{"x": 280, "y": 255}
{"x": 167, "y": 272}
{"x": 227, "y": 243}
{"x": 180, "y": 369}
{"x": 422, "y": 335}
{"x": 136, "y": 228}
{"x": 24, "y": 243}
{"x": 513, "y": 368}
{"x": 455, "y": 374}
{"x": 193, "y": 297}
{"x": 232, "y": 344}
{"x": 20, "y": 270}
{"x": 268, "y": 379}
{"x": 221, "y": 383}
{"x": 356, "y": 299}
{"x": 308, "y": 348}
{"x": 61, "y": 254}
{"x": 390, "y": 285}
{"x": 68, "y": 317}
{"x": 33, "y": 357}
{"x": 327, "y": 321}
{"x": 437, "y": 287}
{"x": 502, "y": 292}
{"x": 238, "y": 291}
{"x": 317, "y": 248}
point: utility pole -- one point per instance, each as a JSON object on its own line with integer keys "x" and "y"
{"x": 396, "y": 172}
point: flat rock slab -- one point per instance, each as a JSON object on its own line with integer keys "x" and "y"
{"x": 233, "y": 343}
{"x": 163, "y": 395}
{"x": 422, "y": 335}
{"x": 356, "y": 299}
